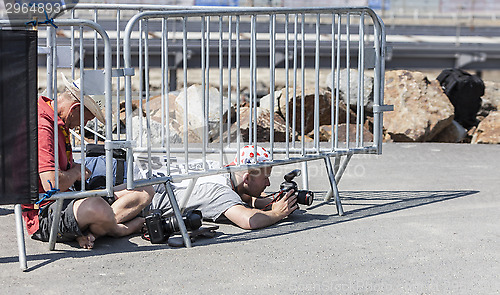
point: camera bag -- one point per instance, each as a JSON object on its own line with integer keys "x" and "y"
{"x": 95, "y": 161}
{"x": 464, "y": 92}
{"x": 97, "y": 150}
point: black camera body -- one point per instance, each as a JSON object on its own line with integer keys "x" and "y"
{"x": 303, "y": 197}
{"x": 160, "y": 228}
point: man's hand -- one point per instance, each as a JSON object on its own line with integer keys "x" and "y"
{"x": 78, "y": 168}
{"x": 66, "y": 178}
{"x": 286, "y": 205}
{"x": 251, "y": 218}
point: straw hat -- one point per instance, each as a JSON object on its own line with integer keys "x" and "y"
{"x": 89, "y": 102}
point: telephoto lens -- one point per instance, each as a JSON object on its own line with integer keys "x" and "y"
{"x": 192, "y": 220}
{"x": 160, "y": 228}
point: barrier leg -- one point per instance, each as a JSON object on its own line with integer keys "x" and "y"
{"x": 305, "y": 176}
{"x": 178, "y": 215}
{"x": 20, "y": 237}
{"x": 187, "y": 194}
{"x": 55, "y": 224}
{"x": 333, "y": 184}
{"x": 339, "y": 172}
{"x": 336, "y": 164}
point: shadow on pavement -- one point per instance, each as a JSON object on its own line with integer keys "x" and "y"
{"x": 6, "y": 211}
{"x": 366, "y": 203}
{"x": 105, "y": 246}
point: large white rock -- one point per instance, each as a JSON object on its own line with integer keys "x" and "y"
{"x": 265, "y": 102}
{"x": 155, "y": 127}
{"x": 195, "y": 95}
{"x": 353, "y": 88}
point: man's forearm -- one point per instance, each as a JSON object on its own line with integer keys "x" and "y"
{"x": 251, "y": 218}
{"x": 263, "y": 218}
{"x": 66, "y": 178}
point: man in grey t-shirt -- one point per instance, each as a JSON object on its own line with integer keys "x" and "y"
{"x": 238, "y": 200}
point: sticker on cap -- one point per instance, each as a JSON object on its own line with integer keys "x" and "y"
{"x": 248, "y": 155}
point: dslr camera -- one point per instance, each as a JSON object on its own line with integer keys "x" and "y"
{"x": 303, "y": 197}
{"x": 160, "y": 228}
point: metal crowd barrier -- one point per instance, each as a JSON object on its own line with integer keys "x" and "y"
{"x": 227, "y": 40}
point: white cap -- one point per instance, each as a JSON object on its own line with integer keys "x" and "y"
{"x": 248, "y": 156}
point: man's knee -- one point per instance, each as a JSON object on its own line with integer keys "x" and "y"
{"x": 94, "y": 210}
{"x": 149, "y": 193}
{"x": 143, "y": 195}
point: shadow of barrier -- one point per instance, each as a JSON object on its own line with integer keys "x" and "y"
{"x": 6, "y": 211}
{"x": 367, "y": 203}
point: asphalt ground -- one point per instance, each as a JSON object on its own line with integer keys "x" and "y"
{"x": 419, "y": 219}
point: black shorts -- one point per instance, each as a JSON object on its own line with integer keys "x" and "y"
{"x": 68, "y": 227}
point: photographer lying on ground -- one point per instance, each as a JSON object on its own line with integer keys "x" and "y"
{"x": 238, "y": 199}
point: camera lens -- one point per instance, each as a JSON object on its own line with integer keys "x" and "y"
{"x": 305, "y": 197}
{"x": 192, "y": 220}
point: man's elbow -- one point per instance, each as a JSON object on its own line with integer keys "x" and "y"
{"x": 243, "y": 223}
{"x": 246, "y": 223}
{"x": 258, "y": 220}
{"x": 247, "y": 226}
{"x": 248, "y": 218}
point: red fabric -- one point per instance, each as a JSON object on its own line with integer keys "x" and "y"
{"x": 46, "y": 154}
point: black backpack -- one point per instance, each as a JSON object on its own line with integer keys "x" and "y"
{"x": 97, "y": 151}
{"x": 464, "y": 91}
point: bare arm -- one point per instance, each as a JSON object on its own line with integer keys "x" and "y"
{"x": 263, "y": 202}
{"x": 66, "y": 178}
{"x": 250, "y": 218}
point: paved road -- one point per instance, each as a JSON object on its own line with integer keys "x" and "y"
{"x": 421, "y": 219}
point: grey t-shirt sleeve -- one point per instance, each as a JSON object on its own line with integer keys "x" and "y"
{"x": 212, "y": 199}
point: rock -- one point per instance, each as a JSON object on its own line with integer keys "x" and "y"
{"x": 156, "y": 139}
{"x": 325, "y": 99}
{"x": 490, "y": 99}
{"x": 155, "y": 106}
{"x": 452, "y": 133}
{"x": 325, "y": 133}
{"x": 265, "y": 102}
{"x": 488, "y": 131}
{"x": 421, "y": 109}
{"x": 135, "y": 107}
{"x": 263, "y": 126}
{"x": 367, "y": 86}
{"x": 176, "y": 131}
{"x": 306, "y": 138}
{"x": 195, "y": 110}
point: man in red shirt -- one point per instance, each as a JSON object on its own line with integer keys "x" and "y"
{"x": 82, "y": 220}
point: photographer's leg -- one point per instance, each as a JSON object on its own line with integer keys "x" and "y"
{"x": 129, "y": 203}
{"x": 95, "y": 215}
